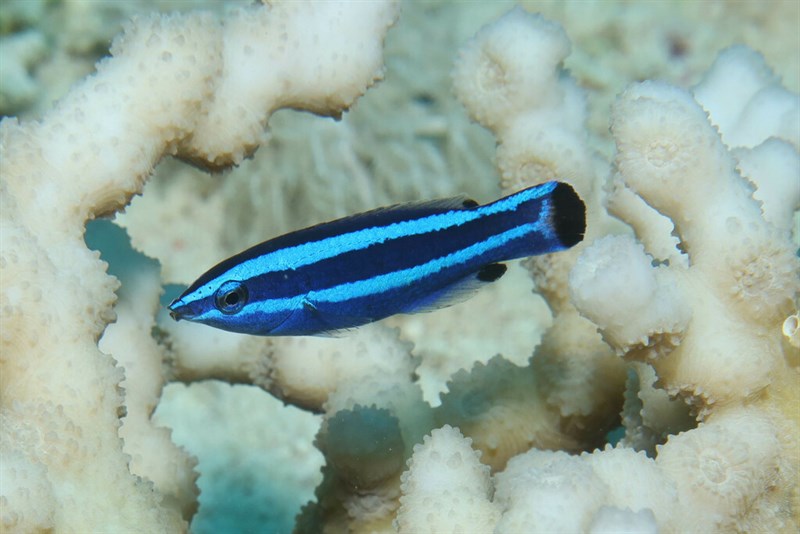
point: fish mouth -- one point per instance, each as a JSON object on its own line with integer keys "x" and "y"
{"x": 180, "y": 310}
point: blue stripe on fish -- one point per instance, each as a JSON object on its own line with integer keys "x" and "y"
{"x": 401, "y": 259}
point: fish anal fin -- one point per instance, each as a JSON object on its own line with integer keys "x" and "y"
{"x": 458, "y": 291}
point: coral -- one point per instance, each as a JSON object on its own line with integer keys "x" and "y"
{"x": 373, "y": 415}
{"x": 365, "y": 452}
{"x": 649, "y": 415}
{"x": 559, "y": 400}
{"x": 17, "y": 54}
{"x": 446, "y": 488}
{"x": 722, "y": 468}
{"x": 510, "y": 79}
{"x": 680, "y": 305}
{"x": 446, "y": 346}
{"x": 645, "y": 298}
{"x": 752, "y": 110}
{"x": 671, "y": 156}
{"x": 172, "y": 470}
{"x": 699, "y": 300}
{"x": 371, "y": 353}
{"x": 548, "y": 490}
{"x": 266, "y": 456}
{"x": 611, "y": 519}
{"x": 62, "y": 401}
{"x": 499, "y": 406}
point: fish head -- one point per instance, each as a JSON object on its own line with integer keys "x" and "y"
{"x": 230, "y": 304}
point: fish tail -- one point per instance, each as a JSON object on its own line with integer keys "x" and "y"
{"x": 567, "y": 215}
{"x": 552, "y": 216}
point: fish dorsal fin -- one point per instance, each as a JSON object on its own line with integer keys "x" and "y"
{"x": 417, "y": 208}
{"x": 458, "y": 291}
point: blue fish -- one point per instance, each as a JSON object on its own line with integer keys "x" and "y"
{"x": 406, "y": 258}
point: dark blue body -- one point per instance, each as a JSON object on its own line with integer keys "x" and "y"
{"x": 366, "y": 267}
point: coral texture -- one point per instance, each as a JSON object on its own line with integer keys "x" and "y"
{"x": 173, "y": 85}
{"x": 446, "y": 488}
{"x": 674, "y": 324}
{"x": 703, "y": 308}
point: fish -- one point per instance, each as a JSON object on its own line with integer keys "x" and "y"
{"x": 406, "y": 258}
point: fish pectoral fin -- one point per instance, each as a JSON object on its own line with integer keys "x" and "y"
{"x": 491, "y": 272}
{"x": 458, "y": 291}
{"x": 341, "y": 332}
{"x": 328, "y": 330}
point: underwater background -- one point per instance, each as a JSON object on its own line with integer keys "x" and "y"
{"x": 408, "y": 138}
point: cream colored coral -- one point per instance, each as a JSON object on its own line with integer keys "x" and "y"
{"x": 579, "y": 375}
{"x": 746, "y": 100}
{"x": 374, "y": 351}
{"x": 510, "y": 79}
{"x": 500, "y": 407}
{"x": 708, "y": 479}
{"x": 652, "y": 229}
{"x": 738, "y": 284}
{"x": 635, "y": 482}
{"x": 61, "y": 403}
{"x": 617, "y": 520}
{"x": 742, "y": 268}
{"x": 288, "y": 55}
{"x": 128, "y": 340}
{"x": 543, "y": 491}
{"x": 721, "y": 468}
{"x": 446, "y": 488}
{"x": 494, "y": 76}
{"x": 649, "y": 415}
{"x": 551, "y": 403}
{"x": 516, "y": 63}
{"x": 773, "y": 167}
{"x": 197, "y": 353}
{"x": 705, "y": 308}
{"x": 636, "y": 306}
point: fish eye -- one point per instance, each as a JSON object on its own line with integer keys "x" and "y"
{"x": 231, "y": 297}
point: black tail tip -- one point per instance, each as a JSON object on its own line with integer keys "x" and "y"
{"x": 569, "y": 215}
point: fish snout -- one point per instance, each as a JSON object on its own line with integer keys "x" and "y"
{"x": 180, "y": 310}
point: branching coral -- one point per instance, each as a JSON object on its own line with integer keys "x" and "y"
{"x": 700, "y": 304}
{"x": 173, "y": 85}
{"x": 446, "y": 488}
{"x": 510, "y": 80}
{"x": 742, "y": 270}
{"x": 704, "y": 308}
{"x": 171, "y": 472}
